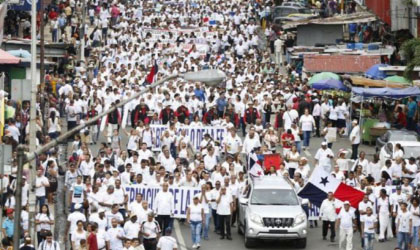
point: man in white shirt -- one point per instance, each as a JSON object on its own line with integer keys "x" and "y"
{"x": 41, "y": 182}
{"x": 224, "y": 211}
{"x": 167, "y": 242}
{"x": 355, "y": 139}
{"x": 73, "y": 218}
{"x": 164, "y": 206}
{"x": 328, "y": 216}
{"x": 132, "y": 228}
{"x": 369, "y": 223}
{"x": 346, "y": 221}
{"x": 323, "y": 157}
{"x": 115, "y": 236}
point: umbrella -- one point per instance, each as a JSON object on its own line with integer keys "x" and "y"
{"x": 323, "y": 76}
{"x": 20, "y": 53}
{"x": 398, "y": 79}
{"x": 329, "y": 84}
{"x": 374, "y": 72}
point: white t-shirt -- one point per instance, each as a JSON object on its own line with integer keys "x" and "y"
{"x": 40, "y": 191}
{"x": 223, "y": 208}
{"x": 404, "y": 221}
{"x": 369, "y": 222}
{"x": 195, "y": 212}
{"x": 307, "y": 122}
{"x": 346, "y": 218}
{"x": 167, "y": 243}
{"x": 73, "y": 218}
{"x": 114, "y": 242}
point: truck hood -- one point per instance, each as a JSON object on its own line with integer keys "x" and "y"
{"x": 276, "y": 211}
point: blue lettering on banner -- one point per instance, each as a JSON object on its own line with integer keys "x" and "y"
{"x": 196, "y": 134}
{"x": 182, "y": 197}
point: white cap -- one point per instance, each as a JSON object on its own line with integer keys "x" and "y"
{"x": 347, "y": 203}
{"x": 324, "y": 143}
{"x": 77, "y": 206}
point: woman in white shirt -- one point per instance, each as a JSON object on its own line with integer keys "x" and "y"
{"x": 398, "y": 151}
{"x": 307, "y": 124}
{"x": 44, "y": 221}
{"x": 53, "y": 125}
{"x": 77, "y": 235}
{"x": 292, "y": 158}
{"x": 271, "y": 140}
{"x": 196, "y": 218}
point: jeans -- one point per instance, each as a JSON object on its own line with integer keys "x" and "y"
{"x": 215, "y": 220}
{"x": 298, "y": 145}
{"x": 368, "y": 238}
{"x": 206, "y": 226}
{"x": 195, "y": 231}
{"x": 54, "y": 35}
{"x": 415, "y": 238}
{"x": 403, "y": 239}
{"x": 40, "y": 200}
{"x": 306, "y": 138}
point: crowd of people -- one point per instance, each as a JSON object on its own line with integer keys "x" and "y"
{"x": 263, "y": 109}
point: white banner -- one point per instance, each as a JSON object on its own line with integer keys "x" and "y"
{"x": 163, "y": 34}
{"x": 182, "y": 197}
{"x": 195, "y": 134}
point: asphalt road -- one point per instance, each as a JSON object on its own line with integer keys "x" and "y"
{"x": 314, "y": 241}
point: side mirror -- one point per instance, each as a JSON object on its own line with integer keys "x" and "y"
{"x": 243, "y": 201}
{"x": 305, "y": 202}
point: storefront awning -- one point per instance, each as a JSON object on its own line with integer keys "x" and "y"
{"x": 6, "y": 58}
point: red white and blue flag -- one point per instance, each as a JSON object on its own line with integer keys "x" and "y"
{"x": 255, "y": 165}
{"x": 150, "y": 78}
{"x": 321, "y": 183}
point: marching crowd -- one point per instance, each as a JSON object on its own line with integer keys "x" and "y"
{"x": 263, "y": 109}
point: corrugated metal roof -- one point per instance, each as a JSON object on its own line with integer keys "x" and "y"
{"x": 359, "y": 17}
{"x": 339, "y": 63}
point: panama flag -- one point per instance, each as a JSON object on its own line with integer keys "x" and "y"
{"x": 255, "y": 168}
{"x": 150, "y": 78}
{"x": 321, "y": 183}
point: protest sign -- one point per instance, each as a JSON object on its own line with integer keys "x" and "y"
{"x": 182, "y": 196}
{"x": 195, "y": 134}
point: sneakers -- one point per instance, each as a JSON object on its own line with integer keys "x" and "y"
{"x": 197, "y": 246}
{"x": 194, "y": 246}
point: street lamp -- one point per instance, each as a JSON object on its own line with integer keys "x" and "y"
{"x": 209, "y": 77}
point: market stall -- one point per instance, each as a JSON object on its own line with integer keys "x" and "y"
{"x": 376, "y": 125}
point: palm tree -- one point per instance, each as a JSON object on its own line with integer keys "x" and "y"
{"x": 411, "y": 51}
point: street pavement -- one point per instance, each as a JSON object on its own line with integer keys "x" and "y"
{"x": 314, "y": 241}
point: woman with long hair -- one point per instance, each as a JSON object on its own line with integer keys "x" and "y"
{"x": 44, "y": 221}
{"x": 53, "y": 125}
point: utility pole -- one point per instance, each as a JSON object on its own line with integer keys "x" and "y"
{"x": 82, "y": 31}
{"x": 32, "y": 122}
{"x": 42, "y": 63}
{"x": 18, "y": 197}
{"x": 1, "y": 181}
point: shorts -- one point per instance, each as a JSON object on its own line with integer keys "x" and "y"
{"x": 341, "y": 123}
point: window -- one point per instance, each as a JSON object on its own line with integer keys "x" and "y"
{"x": 274, "y": 197}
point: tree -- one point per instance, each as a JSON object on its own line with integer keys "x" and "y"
{"x": 411, "y": 51}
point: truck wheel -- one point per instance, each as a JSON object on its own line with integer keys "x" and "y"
{"x": 301, "y": 243}
{"x": 250, "y": 243}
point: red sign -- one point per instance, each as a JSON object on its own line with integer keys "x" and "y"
{"x": 272, "y": 160}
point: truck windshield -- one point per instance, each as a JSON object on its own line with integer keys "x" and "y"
{"x": 274, "y": 197}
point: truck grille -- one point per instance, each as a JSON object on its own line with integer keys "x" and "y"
{"x": 278, "y": 222}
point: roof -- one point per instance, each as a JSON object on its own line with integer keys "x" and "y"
{"x": 407, "y": 143}
{"x": 6, "y": 58}
{"x": 277, "y": 182}
{"x": 339, "y": 63}
{"x": 359, "y": 17}
{"x": 367, "y": 82}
